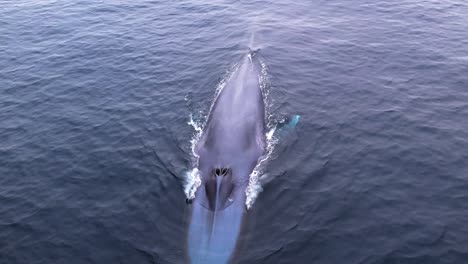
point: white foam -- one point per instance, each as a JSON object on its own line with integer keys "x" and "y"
{"x": 255, "y": 188}
{"x": 192, "y": 177}
{"x": 193, "y": 181}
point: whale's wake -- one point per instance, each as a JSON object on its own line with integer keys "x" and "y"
{"x": 192, "y": 177}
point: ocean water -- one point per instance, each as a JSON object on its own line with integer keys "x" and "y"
{"x": 95, "y": 145}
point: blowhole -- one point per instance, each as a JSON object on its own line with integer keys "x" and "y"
{"x": 221, "y": 171}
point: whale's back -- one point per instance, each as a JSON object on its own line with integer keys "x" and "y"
{"x": 232, "y": 141}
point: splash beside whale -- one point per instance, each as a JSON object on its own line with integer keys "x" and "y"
{"x": 230, "y": 146}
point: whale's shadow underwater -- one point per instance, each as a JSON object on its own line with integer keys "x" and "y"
{"x": 229, "y": 148}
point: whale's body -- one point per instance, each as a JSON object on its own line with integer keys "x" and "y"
{"x": 229, "y": 148}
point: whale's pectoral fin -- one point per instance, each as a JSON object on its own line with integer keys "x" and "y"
{"x": 294, "y": 121}
{"x": 286, "y": 132}
{"x": 288, "y": 123}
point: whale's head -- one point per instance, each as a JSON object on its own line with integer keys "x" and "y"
{"x": 218, "y": 188}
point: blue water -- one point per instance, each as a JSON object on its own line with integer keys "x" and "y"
{"x": 95, "y": 97}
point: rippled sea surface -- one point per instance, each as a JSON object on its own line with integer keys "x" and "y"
{"x": 95, "y": 97}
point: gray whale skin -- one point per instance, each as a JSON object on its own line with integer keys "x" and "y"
{"x": 229, "y": 148}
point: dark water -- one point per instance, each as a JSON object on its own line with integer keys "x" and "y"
{"x": 95, "y": 97}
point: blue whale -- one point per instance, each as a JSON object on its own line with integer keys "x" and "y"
{"x": 229, "y": 148}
